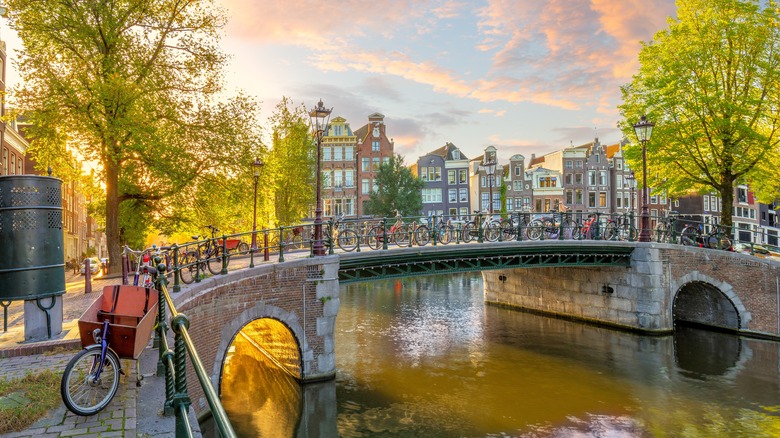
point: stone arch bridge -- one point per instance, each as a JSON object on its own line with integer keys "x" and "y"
{"x": 644, "y": 287}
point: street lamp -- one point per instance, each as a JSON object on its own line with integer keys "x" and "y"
{"x": 631, "y": 178}
{"x": 257, "y": 165}
{"x": 489, "y": 163}
{"x": 644, "y": 130}
{"x": 319, "y": 116}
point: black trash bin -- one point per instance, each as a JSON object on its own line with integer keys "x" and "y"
{"x": 32, "y": 260}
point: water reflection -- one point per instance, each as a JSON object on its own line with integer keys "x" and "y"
{"x": 426, "y": 357}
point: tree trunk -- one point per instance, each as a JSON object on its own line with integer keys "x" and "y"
{"x": 727, "y": 196}
{"x": 112, "y": 216}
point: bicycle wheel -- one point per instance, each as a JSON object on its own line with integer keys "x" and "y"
{"x": 347, "y": 240}
{"x": 690, "y": 236}
{"x": 422, "y": 235}
{"x": 82, "y": 393}
{"x": 492, "y": 232}
{"x": 661, "y": 233}
{"x": 374, "y": 238}
{"x": 469, "y": 232}
{"x": 627, "y": 232}
{"x": 719, "y": 241}
{"x": 610, "y": 231}
{"x": 187, "y": 267}
{"x": 243, "y": 248}
{"x": 401, "y": 236}
{"x": 215, "y": 261}
{"x": 535, "y": 229}
{"x": 445, "y": 234}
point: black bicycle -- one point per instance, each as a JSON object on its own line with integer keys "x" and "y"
{"x": 717, "y": 238}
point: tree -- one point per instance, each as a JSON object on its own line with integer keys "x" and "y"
{"x": 134, "y": 86}
{"x": 397, "y": 189}
{"x": 711, "y": 84}
{"x": 290, "y": 167}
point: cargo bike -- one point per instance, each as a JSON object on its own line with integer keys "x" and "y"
{"x": 116, "y": 326}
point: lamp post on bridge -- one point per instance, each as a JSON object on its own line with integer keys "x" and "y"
{"x": 319, "y": 116}
{"x": 489, "y": 163}
{"x": 257, "y": 165}
{"x": 643, "y": 130}
{"x": 631, "y": 180}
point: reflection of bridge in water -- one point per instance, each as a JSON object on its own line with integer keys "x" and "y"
{"x": 637, "y": 286}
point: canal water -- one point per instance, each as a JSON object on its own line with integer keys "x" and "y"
{"x": 425, "y": 357}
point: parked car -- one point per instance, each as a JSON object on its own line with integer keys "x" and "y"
{"x": 94, "y": 265}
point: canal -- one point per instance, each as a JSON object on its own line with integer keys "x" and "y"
{"x": 425, "y": 357}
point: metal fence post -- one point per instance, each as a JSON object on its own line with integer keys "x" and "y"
{"x": 224, "y": 270}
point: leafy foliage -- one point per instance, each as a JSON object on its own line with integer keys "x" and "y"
{"x": 135, "y": 87}
{"x": 397, "y": 189}
{"x": 711, "y": 84}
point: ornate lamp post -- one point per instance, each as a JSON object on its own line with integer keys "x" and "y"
{"x": 257, "y": 165}
{"x": 319, "y": 120}
{"x": 631, "y": 179}
{"x": 644, "y": 130}
{"x": 489, "y": 163}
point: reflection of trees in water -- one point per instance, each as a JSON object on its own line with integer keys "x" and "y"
{"x": 259, "y": 397}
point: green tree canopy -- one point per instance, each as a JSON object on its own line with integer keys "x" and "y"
{"x": 711, "y": 85}
{"x": 134, "y": 86}
{"x": 290, "y": 167}
{"x": 397, "y": 189}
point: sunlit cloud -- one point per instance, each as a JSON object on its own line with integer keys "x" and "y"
{"x": 497, "y": 113}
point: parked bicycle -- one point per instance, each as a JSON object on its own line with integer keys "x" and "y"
{"x": 346, "y": 239}
{"x": 717, "y": 238}
{"x": 291, "y": 238}
{"x": 443, "y": 231}
{"x": 207, "y": 255}
{"x": 666, "y": 228}
{"x": 620, "y": 228}
{"x": 143, "y": 261}
{"x": 491, "y": 228}
{"x": 550, "y": 226}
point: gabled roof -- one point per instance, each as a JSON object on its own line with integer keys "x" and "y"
{"x": 535, "y": 161}
{"x": 446, "y": 152}
{"x": 361, "y": 133}
{"x": 612, "y": 150}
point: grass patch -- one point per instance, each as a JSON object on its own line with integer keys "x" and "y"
{"x": 41, "y": 389}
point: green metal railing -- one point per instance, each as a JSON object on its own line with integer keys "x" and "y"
{"x": 367, "y": 234}
{"x": 173, "y": 365}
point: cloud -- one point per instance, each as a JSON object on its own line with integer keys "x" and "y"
{"x": 497, "y": 113}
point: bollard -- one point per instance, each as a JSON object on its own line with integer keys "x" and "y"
{"x": 87, "y": 277}
{"x": 124, "y": 268}
{"x": 266, "y": 255}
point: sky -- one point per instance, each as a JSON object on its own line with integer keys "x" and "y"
{"x": 526, "y": 76}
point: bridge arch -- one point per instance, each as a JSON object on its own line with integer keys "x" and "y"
{"x": 701, "y": 299}
{"x": 284, "y": 326}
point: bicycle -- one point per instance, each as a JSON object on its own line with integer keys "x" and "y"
{"x": 212, "y": 252}
{"x": 143, "y": 261}
{"x": 549, "y": 228}
{"x": 397, "y": 233}
{"x": 291, "y": 238}
{"x": 717, "y": 238}
{"x": 620, "y": 228}
{"x": 491, "y": 228}
{"x": 116, "y": 326}
{"x": 345, "y": 238}
{"x": 665, "y": 229}
{"x": 443, "y": 231}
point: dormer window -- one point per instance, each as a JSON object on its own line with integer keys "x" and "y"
{"x": 456, "y": 155}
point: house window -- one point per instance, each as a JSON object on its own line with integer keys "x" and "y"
{"x": 569, "y": 164}
{"x": 326, "y": 154}
{"x": 452, "y": 195}
{"x": 518, "y": 185}
{"x": 338, "y": 154}
{"x": 568, "y": 179}
{"x": 434, "y": 173}
{"x": 602, "y": 199}
{"x": 430, "y": 196}
{"x": 349, "y": 153}
{"x": 365, "y": 185}
{"x": 349, "y": 207}
{"x": 338, "y": 130}
{"x": 451, "y": 177}
{"x": 592, "y": 178}
{"x": 569, "y": 197}
{"x": 349, "y": 181}
{"x": 463, "y": 195}
{"x": 518, "y": 170}
{"x": 619, "y": 165}
{"x": 654, "y": 199}
{"x": 456, "y": 155}
{"x": 741, "y": 195}
{"x": 424, "y": 173}
{"x": 326, "y": 179}
{"x": 327, "y": 207}
{"x": 366, "y": 163}
{"x": 578, "y": 178}
{"x": 578, "y": 198}
{"x": 592, "y": 200}
{"x": 603, "y": 178}
{"x": 463, "y": 176}
{"x": 578, "y": 164}
{"x": 375, "y": 164}
{"x": 375, "y": 145}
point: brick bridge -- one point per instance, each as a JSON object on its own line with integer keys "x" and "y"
{"x": 637, "y": 286}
